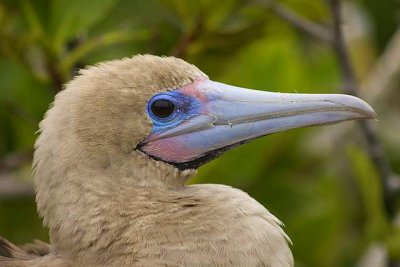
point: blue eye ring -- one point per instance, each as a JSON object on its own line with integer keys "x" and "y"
{"x": 163, "y": 108}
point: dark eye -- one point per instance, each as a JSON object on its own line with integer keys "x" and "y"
{"x": 162, "y": 108}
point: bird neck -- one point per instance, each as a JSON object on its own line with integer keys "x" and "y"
{"x": 81, "y": 193}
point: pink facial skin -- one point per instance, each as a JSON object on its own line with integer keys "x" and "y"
{"x": 178, "y": 148}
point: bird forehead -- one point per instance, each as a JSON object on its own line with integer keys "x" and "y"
{"x": 142, "y": 75}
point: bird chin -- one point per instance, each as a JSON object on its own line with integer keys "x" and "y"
{"x": 201, "y": 160}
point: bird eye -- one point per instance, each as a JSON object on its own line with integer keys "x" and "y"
{"x": 162, "y": 108}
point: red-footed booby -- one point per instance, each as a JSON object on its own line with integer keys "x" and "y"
{"x": 117, "y": 146}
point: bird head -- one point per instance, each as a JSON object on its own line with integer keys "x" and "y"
{"x": 170, "y": 112}
{"x": 123, "y": 131}
{"x": 149, "y": 121}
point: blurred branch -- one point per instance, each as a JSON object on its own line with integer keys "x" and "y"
{"x": 346, "y": 68}
{"x": 350, "y": 86}
{"x": 180, "y": 50}
{"x": 387, "y": 66}
{"x": 14, "y": 160}
{"x": 376, "y": 255}
{"x": 318, "y": 31}
{"x": 9, "y": 186}
{"x": 21, "y": 113}
{"x": 55, "y": 75}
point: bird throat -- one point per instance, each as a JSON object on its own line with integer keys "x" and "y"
{"x": 197, "y": 162}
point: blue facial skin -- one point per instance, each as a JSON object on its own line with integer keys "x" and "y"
{"x": 186, "y": 107}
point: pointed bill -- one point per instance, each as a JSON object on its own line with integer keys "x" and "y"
{"x": 230, "y": 115}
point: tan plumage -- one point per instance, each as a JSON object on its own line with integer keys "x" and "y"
{"x": 107, "y": 204}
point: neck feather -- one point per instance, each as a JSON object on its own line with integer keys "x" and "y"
{"x": 79, "y": 189}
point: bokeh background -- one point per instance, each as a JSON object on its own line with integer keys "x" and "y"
{"x": 319, "y": 181}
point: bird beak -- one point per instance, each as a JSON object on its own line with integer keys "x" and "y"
{"x": 230, "y": 115}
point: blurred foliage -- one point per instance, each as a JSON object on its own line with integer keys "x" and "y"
{"x": 321, "y": 184}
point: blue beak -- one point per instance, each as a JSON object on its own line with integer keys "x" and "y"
{"x": 219, "y": 117}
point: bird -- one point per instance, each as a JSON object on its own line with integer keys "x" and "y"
{"x": 117, "y": 146}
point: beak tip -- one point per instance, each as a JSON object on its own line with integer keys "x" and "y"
{"x": 373, "y": 115}
{"x": 369, "y": 111}
{"x": 362, "y": 108}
